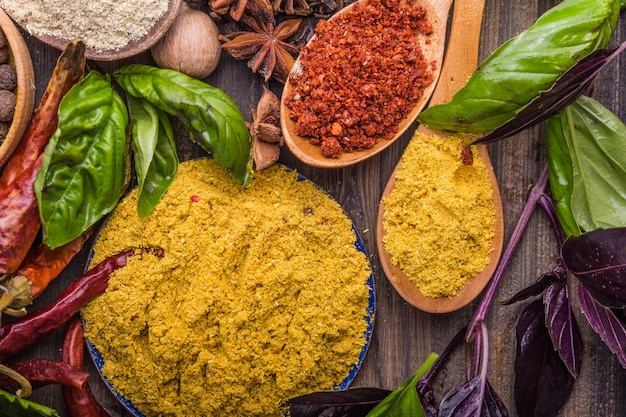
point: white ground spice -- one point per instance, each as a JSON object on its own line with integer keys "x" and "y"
{"x": 260, "y": 296}
{"x": 101, "y": 24}
{"x": 439, "y": 219}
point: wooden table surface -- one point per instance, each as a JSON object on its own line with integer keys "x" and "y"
{"x": 404, "y": 336}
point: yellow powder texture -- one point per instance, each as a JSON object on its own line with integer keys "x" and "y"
{"x": 260, "y": 296}
{"x": 439, "y": 219}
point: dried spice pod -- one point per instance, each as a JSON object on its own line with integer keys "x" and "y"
{"x": 265, "y": 132}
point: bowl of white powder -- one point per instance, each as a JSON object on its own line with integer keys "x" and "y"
{"x": 111, "y": 29}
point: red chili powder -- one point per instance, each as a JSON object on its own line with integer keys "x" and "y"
{"x": 361, "y": 77}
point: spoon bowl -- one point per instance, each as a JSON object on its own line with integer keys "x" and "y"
{"x": 461, "y": 59}
{"x": 133, "y": 48}
{"x": 310, "y": 154}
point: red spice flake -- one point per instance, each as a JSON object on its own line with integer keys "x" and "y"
{"x": 361, "y": 77}
{"x": 194, "y": 199}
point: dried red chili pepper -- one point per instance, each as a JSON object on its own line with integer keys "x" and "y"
{"x": 19, "y": 216}
{"x": 27, "y": 330}
{"x": 40, "y": 267}
{"x": 19, "y": 219}
{"x": 40, "y": 372}
{"x": 67, "y": 72}
{"x": 80, "y": 402}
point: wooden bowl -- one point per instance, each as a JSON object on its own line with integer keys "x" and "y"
{"x": 19, "y": 56}
{"x": 131, "y": 49}
{"x": 433, "y": 52}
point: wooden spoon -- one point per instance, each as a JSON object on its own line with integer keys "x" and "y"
{"x": 460, "y": 61}
{"x": 433, "y": 52}
{"x": 131, "y": 49}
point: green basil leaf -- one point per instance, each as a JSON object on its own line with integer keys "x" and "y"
{"x": 404, "y": 402}
{"x": 524, "y": 66}
{"x": 561, "y": 174}
{"x": 154, "y": 150}
{"x": 595, "y": 140}
{"x": 85, "y": 168}
{"x": 210, "y": 116}
{"x": 13, "y": 406}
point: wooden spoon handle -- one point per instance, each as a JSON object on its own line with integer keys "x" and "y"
{"x": 462, "y": 51}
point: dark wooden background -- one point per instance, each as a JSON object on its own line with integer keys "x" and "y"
{"x": 404, "y": 336}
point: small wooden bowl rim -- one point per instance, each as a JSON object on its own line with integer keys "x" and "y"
{"x": 19, "y": 56}
{"x": 133, "y": 48}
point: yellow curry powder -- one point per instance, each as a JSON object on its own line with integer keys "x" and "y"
{"x": 260, "y": 296}
{"x": 439, "y": 219}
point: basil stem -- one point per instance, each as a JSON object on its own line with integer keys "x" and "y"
{"x": 211, "y": 117}
{"x": 524, "y": 66}
{"x": 592, "y": 139}
{"x": 85, "y": 168}
{"x": 154, "y": 150}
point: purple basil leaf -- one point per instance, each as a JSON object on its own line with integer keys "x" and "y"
{"x": 565, "y": 91}
{"x": 533, "y": 289}
{"x": 427, "y": 398}
{"x": 492, "y": 404}
{"x": 354, "y": 402}
{"x": 598, "y": 260}
{"x": 605, "y": 322}
{"x": 463, "y": 401}
{"x": 562, "y": 326}
{"x": 542, "y": 381}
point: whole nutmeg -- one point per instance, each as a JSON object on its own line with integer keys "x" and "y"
{"x": 8, "y": 77}
{"x": 191, "y": 45}
{"x": 8, "y": 100}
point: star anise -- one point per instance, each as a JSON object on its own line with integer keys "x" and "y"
{"x": 266, "y": 47}
{"x": 265, "y": 132}
{"x": 292, "y": 7}
{"x": 236, "y": 8}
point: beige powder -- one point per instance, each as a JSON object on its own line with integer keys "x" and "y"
{"x": 101, "y": 24}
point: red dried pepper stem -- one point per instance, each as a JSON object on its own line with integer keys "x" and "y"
{"x": 19, "y": 219}
{"x": 27, "y": 330}
{"x": 40, "y": 372}
{"x": 79, "y": 402}
{"x": 68, "y": 71}
{"x": 40, "y": 267}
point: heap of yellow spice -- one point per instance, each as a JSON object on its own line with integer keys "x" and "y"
{"x": 439, "y": 220}
{"x": 260, "y": 296}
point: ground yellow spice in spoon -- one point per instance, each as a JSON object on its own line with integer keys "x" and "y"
{"x": 439, "y": 218}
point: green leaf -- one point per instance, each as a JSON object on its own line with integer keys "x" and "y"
{"x": 404, "y": 402}
{"x": 13, "y": 406}
{"x": 561, "y": 175}
{"x": 85, "y": 167}
{"x": 595, "y": 142}
{"x": 154, "y": 150}
{"x": 210, "y": 116}
{"x": 526, "y": 65}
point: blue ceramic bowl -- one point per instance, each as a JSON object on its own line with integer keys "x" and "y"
{"x": 342, "y": 385}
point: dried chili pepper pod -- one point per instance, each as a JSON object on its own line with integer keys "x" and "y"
{"x": 19, "y": 217}
{"x": 67, "y": 72}
{"x": 40, "y": 372}
{"x": 80, "y": 402}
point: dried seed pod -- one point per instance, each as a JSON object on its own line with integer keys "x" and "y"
{"x": 191, "y": 45}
